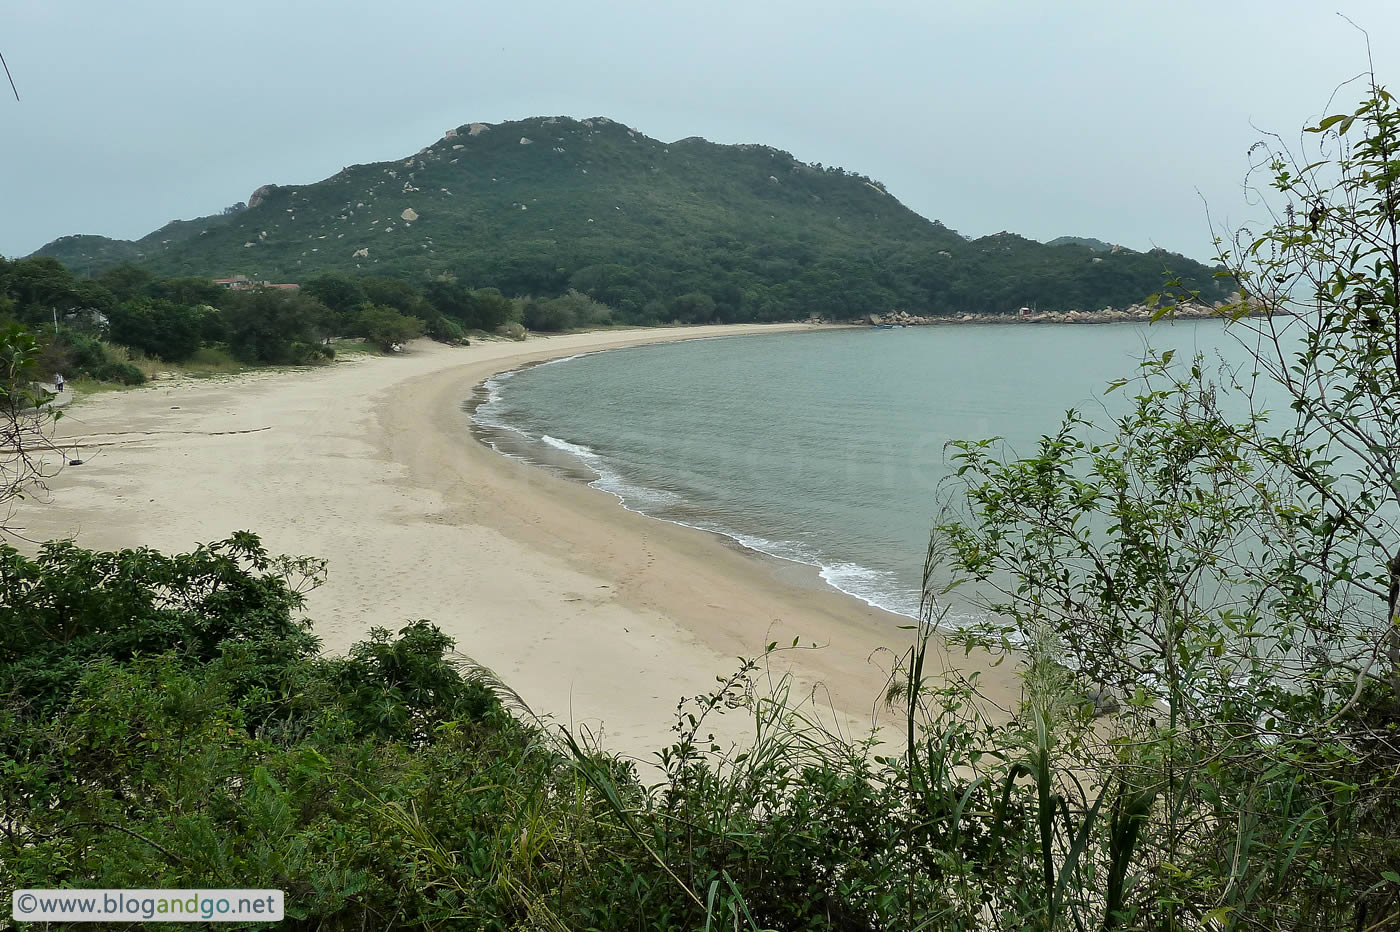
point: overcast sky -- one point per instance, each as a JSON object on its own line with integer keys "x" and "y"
{"x": 1088, "y": 118}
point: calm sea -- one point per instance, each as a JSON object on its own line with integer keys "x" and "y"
{"x": 824, "y": 447}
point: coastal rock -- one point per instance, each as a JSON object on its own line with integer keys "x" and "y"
{"x": 1107, "y": 315}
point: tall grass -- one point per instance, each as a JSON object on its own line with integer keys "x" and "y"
{"x": 205, "y": 362}
{"x": 1054, "y": 820}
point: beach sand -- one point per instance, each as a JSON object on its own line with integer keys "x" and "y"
{"x": 598, "y": 617}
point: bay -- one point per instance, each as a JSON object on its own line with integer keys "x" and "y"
{"x": 828, "y": 447}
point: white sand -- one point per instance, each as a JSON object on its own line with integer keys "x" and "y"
{"x": 597, "y": 616}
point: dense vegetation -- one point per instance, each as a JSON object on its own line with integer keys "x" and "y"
{"x": 688, "y": 231}
{"x": 93, "y": 328}
{"x": 1205, "y": 610}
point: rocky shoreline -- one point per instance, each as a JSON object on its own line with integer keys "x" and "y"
{"x": 1108, "y": 315}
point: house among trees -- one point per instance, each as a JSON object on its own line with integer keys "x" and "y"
{"x": 243, "y": 283}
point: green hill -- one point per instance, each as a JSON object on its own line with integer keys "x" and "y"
{"x": 542, "y": 205}
{"x": 1097, "y": 245}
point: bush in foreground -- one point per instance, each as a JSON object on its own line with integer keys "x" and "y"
{"x": 169, "y": 722}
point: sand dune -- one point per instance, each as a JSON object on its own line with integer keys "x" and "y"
{"x": 597, "y": 616}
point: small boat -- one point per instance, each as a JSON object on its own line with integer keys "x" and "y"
{"x": 882, "y": 326}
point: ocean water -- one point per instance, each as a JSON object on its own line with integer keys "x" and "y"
{"x": 825, "y": 447}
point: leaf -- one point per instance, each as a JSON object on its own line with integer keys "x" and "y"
{"x": 1327, "y": 123}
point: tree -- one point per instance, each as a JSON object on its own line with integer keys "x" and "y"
{"x": 190, "y": 290}
{"x": 569, "y": 312}
{"x": 337, "y": 292}
{"x": 278, "y": 327}
{"x": 127, "y": 281}
{"x": 693, "y": 308}
{"x": 1329, "y": 267}
{"x": 386, "y": 327}
{"x": 41, "y": 286}
{"x": 392, "y": 292}
{"x": 1229, "y": 582}
{"x": 490, "y": 310}
{"x": 26, "y": 446}
{"x": 158, "y": 328}
{"x": 483, "y": 309}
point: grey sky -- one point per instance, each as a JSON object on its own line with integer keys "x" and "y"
{"x": 1087, "y": 118}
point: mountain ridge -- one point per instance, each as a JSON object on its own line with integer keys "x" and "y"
{"x": 545, "y": 204}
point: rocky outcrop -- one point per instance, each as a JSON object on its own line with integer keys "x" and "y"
{"x": 409, "y": 214}
{"x": 260, "y": 195}
{"x": 1108, "y": 315}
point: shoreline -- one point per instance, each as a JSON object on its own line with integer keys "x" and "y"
{"x": 1137, "y": 313}
{"x": 513, "y": 443}
{"x": 598, "y": 616}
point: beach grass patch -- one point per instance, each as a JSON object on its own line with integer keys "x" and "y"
{"x": 357, "y": 348}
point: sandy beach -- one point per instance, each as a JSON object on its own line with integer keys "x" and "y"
{"x": 598, "y": 617}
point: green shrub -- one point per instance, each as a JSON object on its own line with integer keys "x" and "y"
{"x": 84, "y": 352}
{"x": 386, "y": 327}
{"x": 309, "y": 354}
{"x": 123, "y": 373}
{"x": 569, "y": 312}
{"x": 445, "y": 330}
{"x": 158, "y": 328}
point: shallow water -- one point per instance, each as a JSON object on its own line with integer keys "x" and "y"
{"x": 823, "y": 447}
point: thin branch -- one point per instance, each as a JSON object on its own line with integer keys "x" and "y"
{"x": 8, "y": 75}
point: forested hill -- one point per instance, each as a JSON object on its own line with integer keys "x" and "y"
{"x": 687, "y": 230}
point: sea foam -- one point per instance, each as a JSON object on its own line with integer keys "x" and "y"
{"x": 876, "y": 588}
